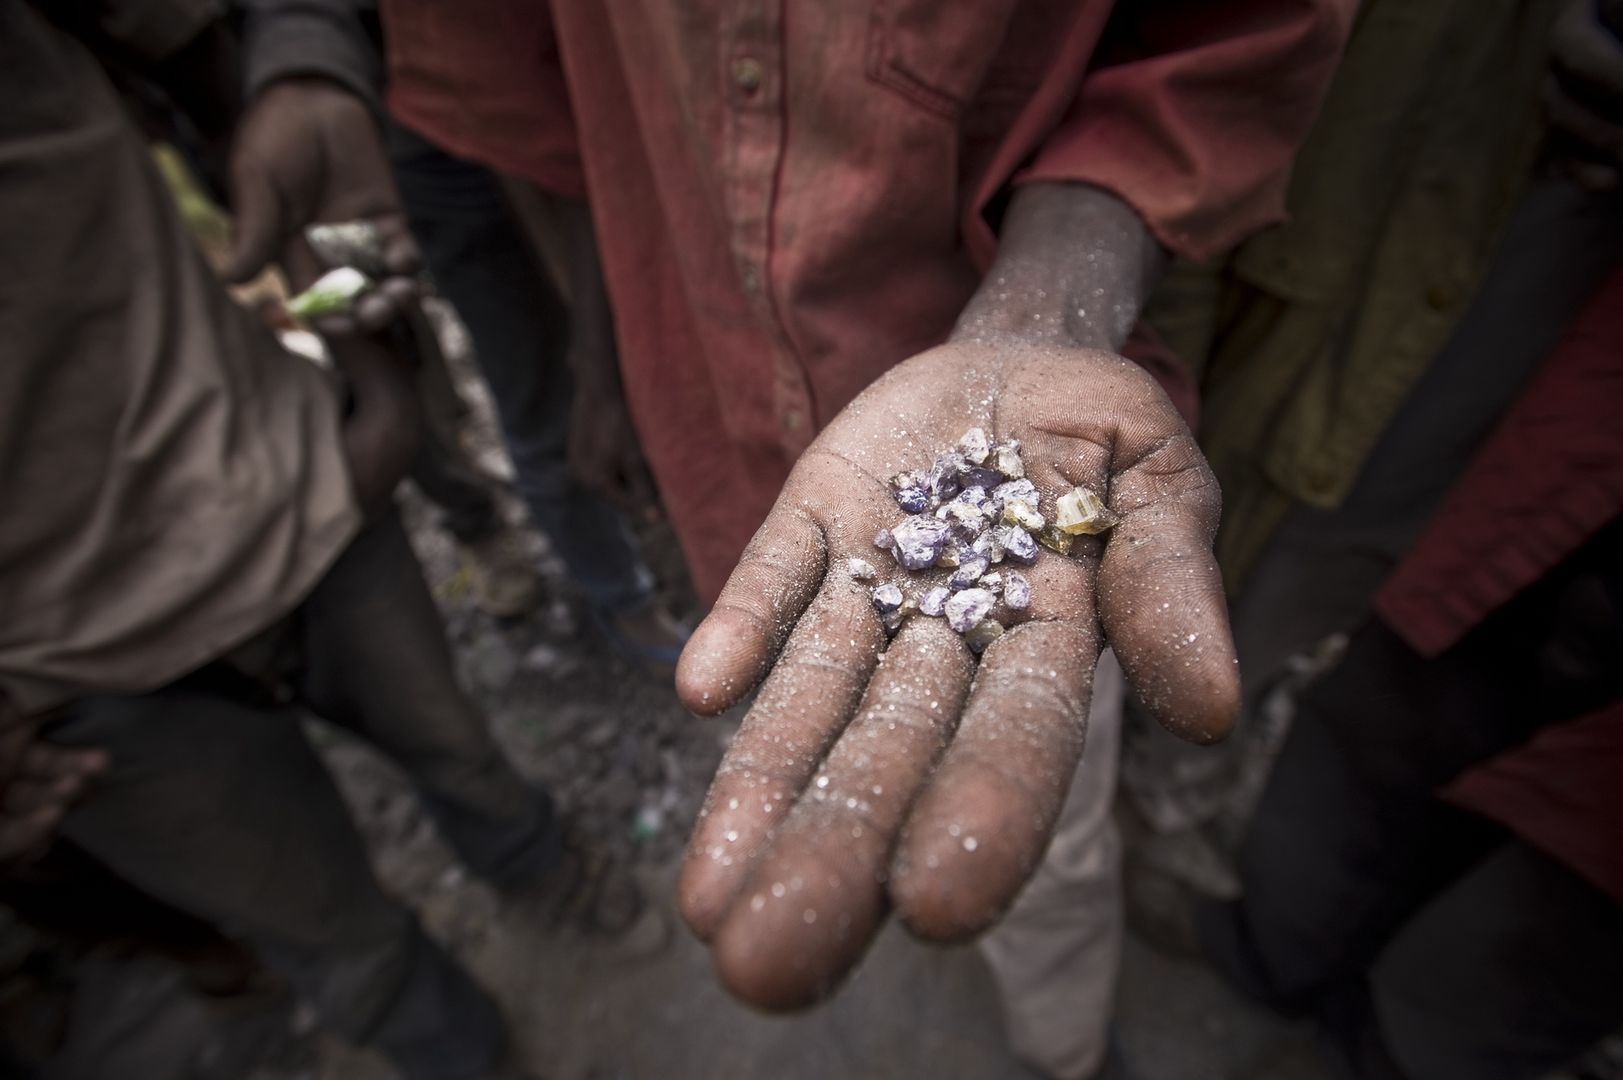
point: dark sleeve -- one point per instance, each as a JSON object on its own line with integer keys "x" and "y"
{"x": 332, "y": 39}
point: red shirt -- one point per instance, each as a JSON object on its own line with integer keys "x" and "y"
{"x": 792, "y": 196}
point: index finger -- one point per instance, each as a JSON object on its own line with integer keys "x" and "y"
{"x": 775, "y": 580}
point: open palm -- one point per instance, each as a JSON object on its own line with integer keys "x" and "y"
{"x": 908, "y": 773}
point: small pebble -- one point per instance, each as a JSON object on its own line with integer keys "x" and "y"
{"x": 1018, "y": 546}
{"x": 1016, "y": 590}
{"x": 861, "y": 570}
{"x": 982, "y": 634}
{"x": 887, "y": 598}
{"x": 969, "y": 572}
{"x": 1080, "y": 512}
{"x": 967, "y": 608}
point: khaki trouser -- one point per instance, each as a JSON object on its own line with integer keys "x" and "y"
{"x": 1055, "y": 955}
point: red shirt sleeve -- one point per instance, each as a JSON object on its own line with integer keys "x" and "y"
{"x": 1193, "y": 110}
{"x": 484, "y": 80}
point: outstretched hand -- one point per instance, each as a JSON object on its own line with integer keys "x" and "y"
{"x": 910, "y": 774}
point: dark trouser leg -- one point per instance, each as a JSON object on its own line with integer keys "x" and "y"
{"x": 1348, "y": 838}
{"x": 376, "y": 662}
{"x": 483, "y": 265}
{"x": 1552, "y": 946}
{"x": 1349, "y": 841}
{"x": 223, "y": 810}
{"x": 468, "y": 511}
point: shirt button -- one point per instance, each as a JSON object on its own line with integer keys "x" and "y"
{"x": 792, "y": 420}
{"x": 747, "y": 74}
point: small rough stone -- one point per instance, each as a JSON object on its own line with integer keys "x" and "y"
{"x": 969, "y": 572}
{"x": 974, "y": 496}
{"x": 1021, "y": 489}
{"x": 861, "y": 570}
{"x": 982, "y": 634}
{"x": 884, "y": 541}
{"x": 965, "y": 519}
{"x": 934, "y": 602}
{"x": 1080, "y": 512}
{"x": 1018, "y": 512}
{"x": 989, "y": 544}
{"x": 334, "y": 293}
{"x": 943, "y": 480}
{"x": 967, "y": 608}
{"x": 991, "y": 581}
{"x": 918, "y": 541}
{"x": 1059, "y": 543}
{"x": 1018, "y": 546}
{"x": 914, "y": 500}
{"x": 1005, "y": 458}
{"x": 348, "y": 243}
{"x": 887, "y": 598}
{"x": 1016, "y": 590}
{"x": 979, "y": 476}
{"x": 974, "y": 445}
{"x": 950, "y": 558}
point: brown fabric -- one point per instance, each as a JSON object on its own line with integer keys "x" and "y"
{"x": 171, "y": 481}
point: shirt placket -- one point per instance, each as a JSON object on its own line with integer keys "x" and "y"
{"x": 754, "y": 75}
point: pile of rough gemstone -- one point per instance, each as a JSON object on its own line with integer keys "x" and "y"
{"x": 974, "y": 513}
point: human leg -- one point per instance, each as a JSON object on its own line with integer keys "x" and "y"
{"x": 1508, "y": 974}
{"x": 484, "y": 266}
{"x": 220, "y": 808}
{"x": 1055, "y": 955}
{"x": 376, "y": 661}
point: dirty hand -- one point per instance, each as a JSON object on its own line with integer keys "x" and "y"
{"x": 309, "y": 151}
{"x": 910, "y": 774}
{"x": 384, "y": 420}
{"x": 38, "y": 782}
{"x": 1584, "y": 95}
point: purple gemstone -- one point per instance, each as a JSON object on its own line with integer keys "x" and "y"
{"x": 1024, "y": 490}
{"x": 969, "y": 572}
{"x": 943, "y": 482}
{"x": 990, "y": 544}
{"x": 887, "y": 598}
{"x": 1016, "y": 590}
{"x": 973, "y": 496}
{"x": 1018, "y": 546}
{"x": 979, "y": 476}
{"x": 974, "y": 445}
{"x": 965, "y": 520}
{"x": 934, "y": 602}
{"x": 913, "y": 500}
{"x": 967, "y": 608}
{"x": 918, "y": 541}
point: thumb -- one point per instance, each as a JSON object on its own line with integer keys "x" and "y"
{"x": 257, "y": 225}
